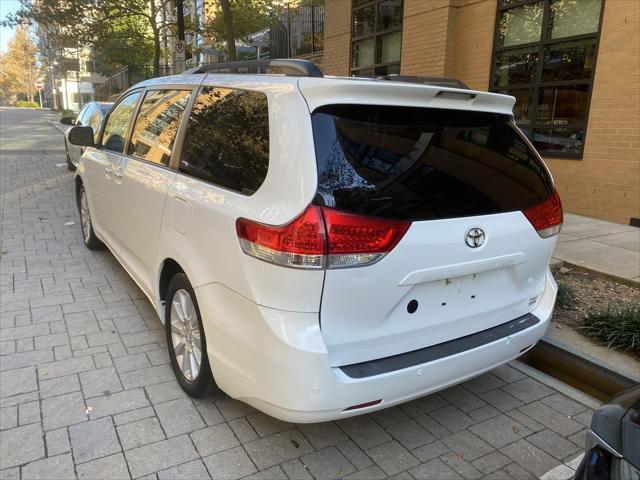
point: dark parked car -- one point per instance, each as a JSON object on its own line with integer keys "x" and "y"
{"x": 91, "y": 115}
{"x": 612, "y": 450}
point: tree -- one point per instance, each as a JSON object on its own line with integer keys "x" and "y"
{"x": 19, "y": 65}
{"x": 232, "y": 20}
{"x": 111, "y": 27}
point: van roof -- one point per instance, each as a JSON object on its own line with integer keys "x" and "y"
{"x": 324, "y": 90}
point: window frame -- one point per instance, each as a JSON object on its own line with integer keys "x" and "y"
{"x": 537, "y": 85}
{"x": 375, "y": 34}
{"x": 173, "y": 163}
{"x": 183, "y": 130}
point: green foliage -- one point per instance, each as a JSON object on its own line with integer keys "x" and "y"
{"x": 122, "y": 41}
{"x": 27, "y": 104}
{"x": 249, "y": 16}
{"x": 618, "y": 326}
{"x": 119, "y": 32}
{"x": 566, "y": 297}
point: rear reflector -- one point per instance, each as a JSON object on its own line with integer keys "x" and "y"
{"x": 546, "y": 217}
{"x": 321, "y": 237}
{"x": 363, "y": 405}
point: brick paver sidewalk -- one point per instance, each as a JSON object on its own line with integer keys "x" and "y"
{"x": 87, "y": 390}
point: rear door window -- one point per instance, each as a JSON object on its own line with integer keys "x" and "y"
{"x": 118, "y": 122}
{"x": 157, "y": 125}
{"x": 227, "y": 139}
{"x": 422, "y": 164}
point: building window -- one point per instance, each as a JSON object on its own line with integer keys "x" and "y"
{"x": 376, "y": 37}
{"x": 544, "y": 56}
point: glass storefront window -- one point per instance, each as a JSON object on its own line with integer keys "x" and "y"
{"x": 515, "y": 66}
{"x": 389, "y": 15}
{"x": 364, "y": 21}
{"x": 521, "y": 25}
{"x": 562, "y": 105}
{"x": 569, "y": 61}
{"x": 388, "y": 48}
{"x": 363, "y": 52}
{"x": 544, "y": 55}
{"x": 574, "y": 17}
{"x": 559, "y": 141}
{"x": 376, "y": 37}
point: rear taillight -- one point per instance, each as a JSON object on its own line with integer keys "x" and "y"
{"x": 301, "y": 243}
{"x": 321, "y": 238}
{"x": 355, "y": 240}
{"x": 546, "y": 217}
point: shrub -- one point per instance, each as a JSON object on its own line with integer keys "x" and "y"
{"x": 618, "y": 326}
{"x": 566, "y": 297}
{"x": 27, "y": 104}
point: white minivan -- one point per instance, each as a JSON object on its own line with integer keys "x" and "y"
{"x": 320, "y": 246}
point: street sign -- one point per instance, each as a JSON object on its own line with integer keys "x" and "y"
{"x": 179, "y": 48}
{"x": 39, "y": 84}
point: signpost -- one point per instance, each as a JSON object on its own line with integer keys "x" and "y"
{"x": 179, "y": 49}
{"x": 39, "y": 86}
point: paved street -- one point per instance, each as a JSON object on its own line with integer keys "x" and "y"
{"x": 87, "y": 390}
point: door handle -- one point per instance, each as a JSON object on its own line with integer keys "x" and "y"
{"x": 117, "y": 173}
{"x": 108, "y": 171}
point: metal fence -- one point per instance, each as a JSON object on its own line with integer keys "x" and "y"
{"x": 298, "y": 32}
{"x": 126, "y": 77}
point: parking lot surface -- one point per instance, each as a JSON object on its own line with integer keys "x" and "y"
{"x": 87, "y": 389}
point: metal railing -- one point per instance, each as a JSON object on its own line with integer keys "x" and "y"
{"x": 125, "y": 78}
{"x": 298, "y": 32}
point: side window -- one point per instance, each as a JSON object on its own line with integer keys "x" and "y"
{"x": 227, "y": 139}
{"x": 117, "y": 123}
{"x": 157, "y": 124}
{"x": 95, "y": 119}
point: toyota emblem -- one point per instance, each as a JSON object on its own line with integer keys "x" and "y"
{"x": 475, "y": 237}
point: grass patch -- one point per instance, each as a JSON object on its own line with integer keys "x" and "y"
{"x": 27, "y": 104}
{"x": 566, "y": 297}
{"x": 618, "y": 326}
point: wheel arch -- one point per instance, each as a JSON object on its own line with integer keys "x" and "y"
{"x": 78, "y": 183}
{"x": 168, "y": 269}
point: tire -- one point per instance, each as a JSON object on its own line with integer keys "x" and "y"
{"x": 186, "y": 335}
{"x": 91, "y": 241}
{"x": 70, "y": 165}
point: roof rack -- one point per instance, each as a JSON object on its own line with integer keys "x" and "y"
{"x": 289, "y": 67}
{"x": 439, "y": 81}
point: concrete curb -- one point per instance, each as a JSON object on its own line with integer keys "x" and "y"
{"x": 577, "y": 371}
{"x": 609, "y": 276}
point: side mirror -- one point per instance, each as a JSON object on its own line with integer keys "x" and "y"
{"x": 81, "y": 136}
{"x": 68, "y": 121}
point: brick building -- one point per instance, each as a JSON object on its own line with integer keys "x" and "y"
{"x": 573, "y": 66}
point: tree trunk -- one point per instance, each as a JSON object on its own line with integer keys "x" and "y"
{"x": 156, "y": 38}
{"x": 228, "y": 26}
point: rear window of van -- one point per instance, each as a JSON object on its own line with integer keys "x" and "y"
{"x": 423, "y": 164}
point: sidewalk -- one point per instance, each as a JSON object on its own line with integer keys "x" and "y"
{"x": 606, "y": 247}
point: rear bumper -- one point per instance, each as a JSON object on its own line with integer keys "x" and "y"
{"x": 277, "y": 361}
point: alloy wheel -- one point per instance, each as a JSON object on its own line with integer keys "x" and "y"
{"x": 185, "y": 335}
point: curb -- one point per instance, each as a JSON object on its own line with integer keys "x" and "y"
{"x": 609, "y": 276}
{"x": 590, "y": 376}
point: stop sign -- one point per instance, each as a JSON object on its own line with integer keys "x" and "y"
{"x": 39, "y": 84}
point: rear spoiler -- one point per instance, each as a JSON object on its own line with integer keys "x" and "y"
{"x": 327, "y": 90}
